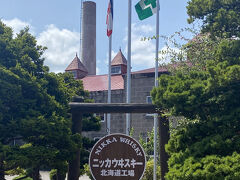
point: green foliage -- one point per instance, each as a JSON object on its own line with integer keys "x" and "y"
{"x": 34, "y": 107}
{"x": 195, "y": 94}
{"x": 85, "y": 152}
{"x": 220, "y": 17}
{"x": 210, "y": 167}
{"x": 21, "y": 176}
{"x": 149, "y": 145}
{"x": 16, "y": 171}
{"x": 148, "y": 174}
{"x": 209, "y": 99}
{"x": 87, "y": 171}
{"x": 131, "y": 132}
{"x": 53, "y": 174}
{"x": 203, "y": 88}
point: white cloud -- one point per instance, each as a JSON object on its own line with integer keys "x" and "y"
{"x": 144, "y": 28}
{"x": 167, "y": 53}
{"x": 17, "y": 25}
{"x": 142, "y": 52}
{"x": 62, "y": 46}
{"x": 107, "y": 57}
{"x": 102, "y": 66}
{"x": 113, "y": 54}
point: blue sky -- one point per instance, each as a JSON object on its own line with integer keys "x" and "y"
{"x": 56, "y": 24}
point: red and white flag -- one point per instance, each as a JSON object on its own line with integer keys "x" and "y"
{"x": 110, "y": 18}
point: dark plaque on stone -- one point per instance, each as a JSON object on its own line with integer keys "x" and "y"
{"x": 117, "y": 157}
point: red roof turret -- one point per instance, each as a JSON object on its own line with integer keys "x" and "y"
{"x": 77, "y": 68}
{"x": 119, "y": 59}
{"x": 119, "y": 64}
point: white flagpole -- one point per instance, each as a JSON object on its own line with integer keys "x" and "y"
{"x": 156, "y": 85}
{"x": 109, "y": 84}
{"x": 128, "y": 117}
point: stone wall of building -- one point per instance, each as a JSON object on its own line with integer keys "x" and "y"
{"x": 141, "y": 86}
{"x": 117, "y": 120}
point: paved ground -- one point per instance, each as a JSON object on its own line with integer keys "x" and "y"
{"x": 45, "y": 176}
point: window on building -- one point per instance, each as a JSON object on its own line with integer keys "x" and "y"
{"x": 74, "y": 74}
{"x": 149, "y": 100}
{"x": 116, "y": 70}
{"x": 102, "y": 116}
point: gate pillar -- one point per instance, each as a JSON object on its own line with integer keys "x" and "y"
{"x": 74, "y": 165}
{"x": 164, "y": 135}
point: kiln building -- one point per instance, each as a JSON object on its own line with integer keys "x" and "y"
{"x": 142, "y": 83}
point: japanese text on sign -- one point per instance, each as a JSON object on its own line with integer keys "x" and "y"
{"x": 117, "y": 172}
{"x": 116, "y": 163}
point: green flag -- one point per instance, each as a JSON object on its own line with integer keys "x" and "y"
{"x": 146, "y": 8}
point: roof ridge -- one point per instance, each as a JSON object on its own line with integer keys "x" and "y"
{"x": 119, "y": 59}
{"x": 76, "y": 64}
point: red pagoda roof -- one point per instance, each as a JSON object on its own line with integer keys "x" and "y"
{"x": 119, "y": 59}
{"x": 76, "y": 64}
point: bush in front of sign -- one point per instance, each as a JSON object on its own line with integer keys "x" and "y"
{"x": 209, "y": 167}
{"x": 148, "y": 145}
{"x": 148, "y": 174}
{"x": 87, "y": 171}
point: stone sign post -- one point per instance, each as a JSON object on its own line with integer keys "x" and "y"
{"x": 117, "y": 157}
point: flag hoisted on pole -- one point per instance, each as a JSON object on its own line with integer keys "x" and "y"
{"x": 110, "y": 18}
{"x": 146, "y": 8}
{"x": 109, "y": 23}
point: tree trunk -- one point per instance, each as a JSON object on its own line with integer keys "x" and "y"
{"x": 61, "y": 175}
{"x": 2, "y": 174}
{"x": 74, "y": 165}
{"x": 35, "y": 174}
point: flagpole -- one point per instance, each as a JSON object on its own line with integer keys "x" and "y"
{"x": 109, "y": 33}
{"x": 128, "y": 117}
{"x": 156, "y": 85}
{"x": 109, "y": 84}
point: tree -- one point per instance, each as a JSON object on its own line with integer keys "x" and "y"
{"x": 220, "y": 17}
{"x": 34, "y": 108}
{"x": 17, "y": 88}
{"x": 148, "y": 174}
{"x": 209, "y": 99}
{"x": 206, "y": 94}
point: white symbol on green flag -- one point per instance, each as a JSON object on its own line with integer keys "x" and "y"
{"x": 146, "y": 8}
